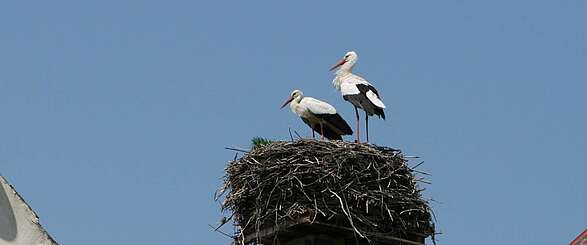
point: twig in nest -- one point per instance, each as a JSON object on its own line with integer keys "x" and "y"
{"x": 221, "y": 232}
{"x": 236, "y": 149}
{"x": 296, "y": 132}
{"x": 347, "y": 213}
{"x": 417, "y": 165}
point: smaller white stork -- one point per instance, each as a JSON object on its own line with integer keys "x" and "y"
{"x": 319, "y": 115}
{"x": 357, "y": 91}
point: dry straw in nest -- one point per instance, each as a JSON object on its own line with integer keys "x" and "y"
{"x": 370, "y": 186}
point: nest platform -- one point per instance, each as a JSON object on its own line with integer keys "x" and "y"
{"x": 333, "y": 190}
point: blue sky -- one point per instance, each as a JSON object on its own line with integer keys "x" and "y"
{"x": 115, "y": 113}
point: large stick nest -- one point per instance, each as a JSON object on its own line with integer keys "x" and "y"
{"x": 370, "y": 186}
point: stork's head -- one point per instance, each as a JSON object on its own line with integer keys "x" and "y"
{"x": 347, "y": 62}
{"x": 294, "y": 95}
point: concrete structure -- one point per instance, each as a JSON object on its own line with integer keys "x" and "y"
{"x": 306, "y": 231}
{"x": 19, "y": 225}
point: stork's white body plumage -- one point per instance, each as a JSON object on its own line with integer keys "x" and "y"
{"x": 348, "y": 84}
{"x": 357, "y": 91}
{"x": 309, "y": 107}
{"x": 319, "y": 115}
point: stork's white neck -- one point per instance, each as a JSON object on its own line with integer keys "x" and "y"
{"x": 347, "y": 67}
{"x": 341, "y": 72}
{"x": 340, "y": 75}
{"x": 295, "y": 103}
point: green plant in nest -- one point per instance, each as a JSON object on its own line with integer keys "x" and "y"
{"x": 259, "y": 142}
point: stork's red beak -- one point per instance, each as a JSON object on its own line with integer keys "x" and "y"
{"x": 338, "y": 64}
{"x": 289, "y": 99}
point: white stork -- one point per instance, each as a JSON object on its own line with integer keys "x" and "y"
{"x": 319, "y": 115}
{"x": 357, "y": 91}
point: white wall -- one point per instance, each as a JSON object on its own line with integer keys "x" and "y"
{"x": 19, "y": 225}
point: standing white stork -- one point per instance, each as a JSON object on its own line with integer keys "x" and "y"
{"x": 319, "y": 115}
{"x": 357, "y": 91}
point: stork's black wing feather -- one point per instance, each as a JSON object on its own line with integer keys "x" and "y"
{"x": 366, "y": 87}
{"x": 329, "y": 133}
{"x": 364, "y": 102}
{"x": 337, "y": 121}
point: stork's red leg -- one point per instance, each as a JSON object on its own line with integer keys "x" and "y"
{"x": 321, "y": 132}
{"x": 358, "y": 139}
{"x": 367, "y": 126}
